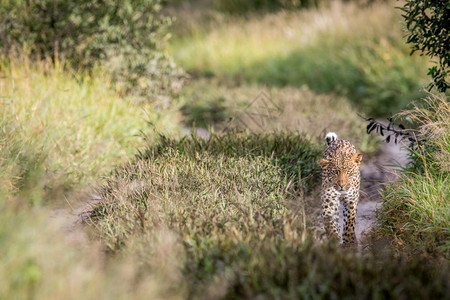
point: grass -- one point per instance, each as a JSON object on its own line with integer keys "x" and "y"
{"x": 59, "y": 129}
{"x": 220, "y": 198}
{"x": 214, "y": 104}
{"x": 319, "y": 48}
{"x": 193, "y": 182}
{"x": 235, "y": 208}
{"x": 60, "y": 132}
{"x": 225, "y": 217}
{"x": 417, "y": 212}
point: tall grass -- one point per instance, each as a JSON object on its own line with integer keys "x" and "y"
{"x": 59, "y": 128}
{"x": 61, "y": 131}
{"x": 417, "y": 212}
{"x": 354, "y": 51}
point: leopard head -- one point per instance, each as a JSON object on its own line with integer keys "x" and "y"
{"x": 339, "y": 170}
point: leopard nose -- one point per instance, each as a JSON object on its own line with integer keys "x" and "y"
{"x": 342, "y": 186}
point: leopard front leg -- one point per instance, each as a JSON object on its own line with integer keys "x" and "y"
{"x": 330, "y": 213}
{"x": 350, "y": 203}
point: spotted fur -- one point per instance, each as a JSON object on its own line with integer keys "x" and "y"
{"x": 340, "y": 183}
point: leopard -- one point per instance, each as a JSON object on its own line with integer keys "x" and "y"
{"x": 341, "y": 180}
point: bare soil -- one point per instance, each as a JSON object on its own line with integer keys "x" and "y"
{"x": 375, "y": 173}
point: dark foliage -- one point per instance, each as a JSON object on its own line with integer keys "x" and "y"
{"x": 428, "y": 24}
{"x": 245, "y": 7}
{"x": 429, "y": 115}
{"x": 125, "y": 36}
{"x": 392, "y": 132}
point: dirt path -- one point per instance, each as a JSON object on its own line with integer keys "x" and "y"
{"x": 374, "y": 174}
{"x": 70, "y": 219}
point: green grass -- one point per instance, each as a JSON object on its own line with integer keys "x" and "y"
{"x": 318, "y": 48}
{"x": 417, "y": 211}
{"x": 234, "y": 209}
{"x": 59, "y": 129}
{"x": 226, "y": 217}
{"x": 60, "y": 132}
{"x": 219, "y": 105}
{"x": 208, "y": 186}
{"x": 39, "y": 260}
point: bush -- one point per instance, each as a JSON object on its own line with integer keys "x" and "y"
{"x": 126, "y": 36}
{"x": 428, "y": 24}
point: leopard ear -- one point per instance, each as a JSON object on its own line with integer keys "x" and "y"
{"x": 357, "y": 158}
{"x": 323, "y": 162}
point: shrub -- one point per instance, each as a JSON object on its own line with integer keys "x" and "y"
{"x": 126, "y": 36}
{"x": 428, "y": 24}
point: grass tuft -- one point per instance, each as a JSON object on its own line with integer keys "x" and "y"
{"x": 417, "y": 211}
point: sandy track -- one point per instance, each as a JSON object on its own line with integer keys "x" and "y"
{"x": 374, "y": 175}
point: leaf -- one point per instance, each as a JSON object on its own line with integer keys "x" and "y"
{"x": 371, "y": 127}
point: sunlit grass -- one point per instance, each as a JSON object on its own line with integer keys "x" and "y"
{"x": 60, "y": 127}
{"x": 210, "y": 103}
{"x": 357, "y": 52}
{"x": 61, "y": 131}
